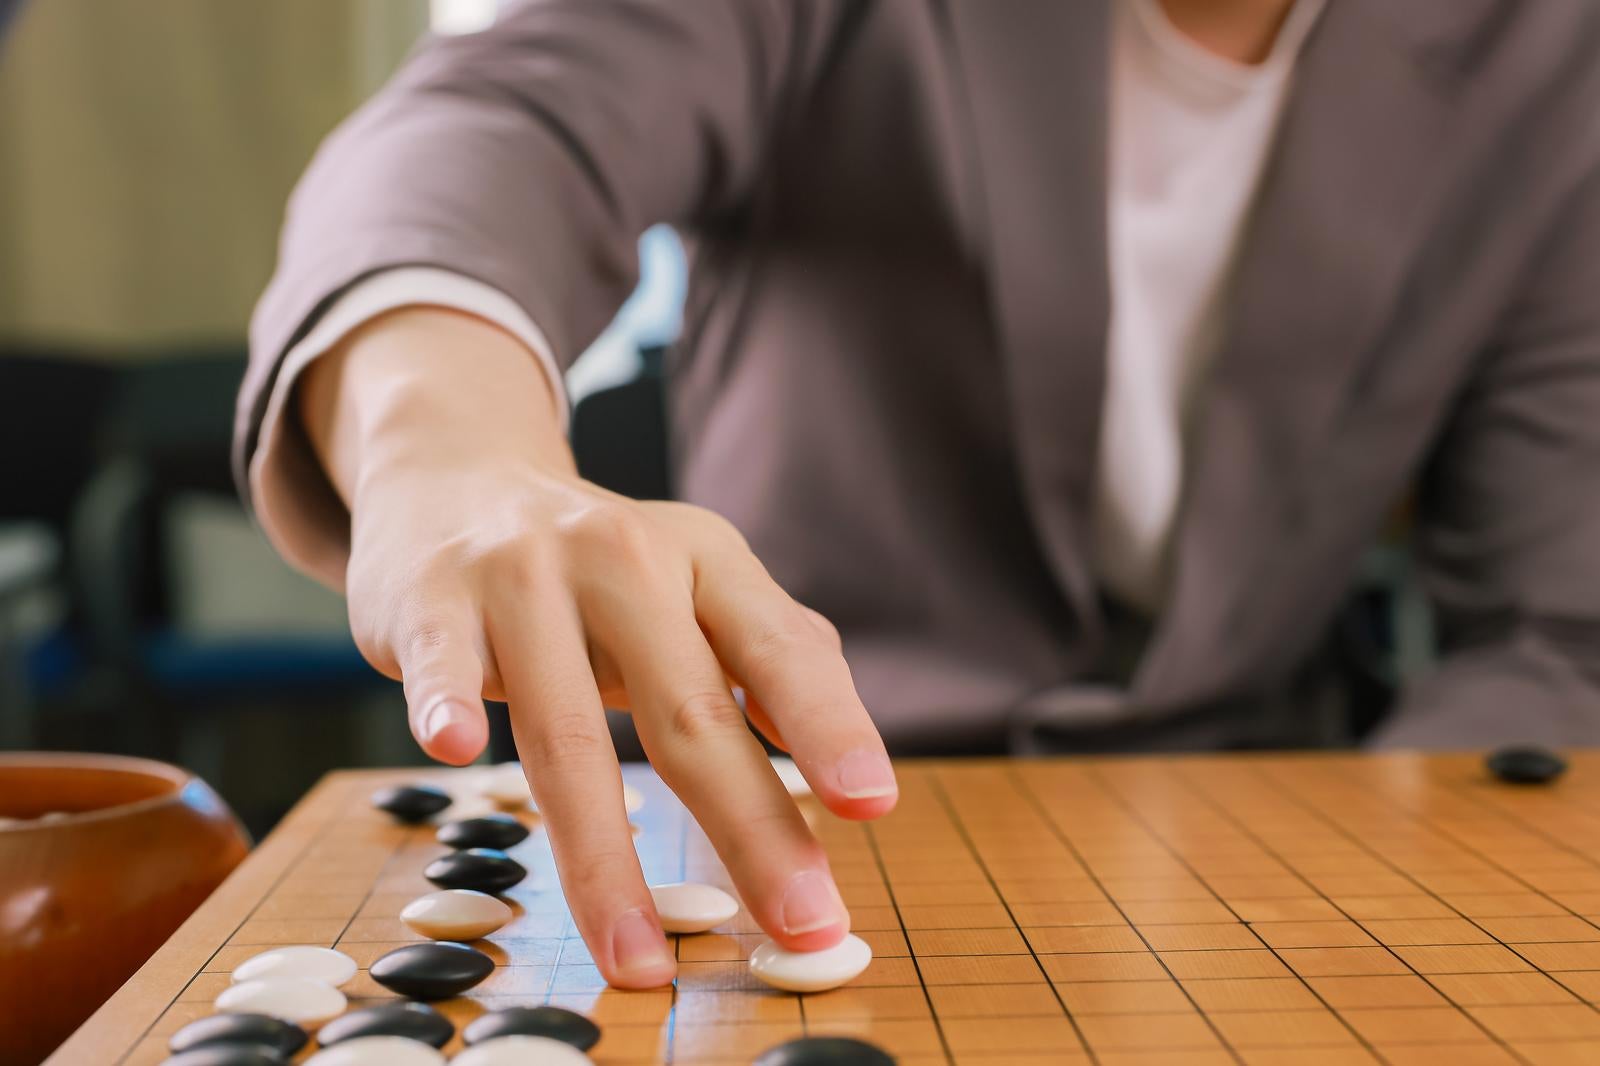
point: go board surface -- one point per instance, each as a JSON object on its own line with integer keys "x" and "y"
{"x": 1307, "y": 910}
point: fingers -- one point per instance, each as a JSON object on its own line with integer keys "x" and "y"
{"x": 442, "y": 670}
{"x": 696, "y": 736}
{"x": 561, "y": 736}
{"x": 761, "y": 720}
{"x": 787, "y": 657}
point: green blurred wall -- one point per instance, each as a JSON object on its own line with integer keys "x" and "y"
{"x": 147, "y": 148}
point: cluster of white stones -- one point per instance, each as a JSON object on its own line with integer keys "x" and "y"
{"x": 299, "y": 984}
{"x": 506, "y": 786}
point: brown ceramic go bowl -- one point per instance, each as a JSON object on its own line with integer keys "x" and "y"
{"x": 101, "y": 859}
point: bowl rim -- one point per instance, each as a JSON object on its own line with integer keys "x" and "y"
{"x": 176, "y": 776}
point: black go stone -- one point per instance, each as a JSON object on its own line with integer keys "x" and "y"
{"x": 825, "y": 1051}
{"x": 1526, "y": 765}
{"x": 432, "y": 971}
{"x": 481, "y": 869}
{"x": 417, "y": 1021}
{"x": 557, "y": 1023}
{"x": 274, "y": 1033}
{"x": 228, "y": 1055}
{"x": 411, "y": 803}
{"x": 499, "y": 831}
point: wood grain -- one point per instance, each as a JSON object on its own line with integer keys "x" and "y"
{"x": 1241, "y": 909}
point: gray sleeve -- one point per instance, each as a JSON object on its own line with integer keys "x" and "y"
{"x": 531, "y": 156}
{"x": 1511, "y": 518}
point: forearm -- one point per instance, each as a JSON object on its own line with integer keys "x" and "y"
{"x": 427, "y": 387}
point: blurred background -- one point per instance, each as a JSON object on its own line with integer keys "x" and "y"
{"x": 146, "y": 151}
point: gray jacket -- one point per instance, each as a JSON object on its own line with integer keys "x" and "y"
{"x": 893, "y": 366}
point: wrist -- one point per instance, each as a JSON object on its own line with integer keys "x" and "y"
{"x": 424, "y": 388}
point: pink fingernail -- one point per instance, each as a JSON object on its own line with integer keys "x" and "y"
{"x": 866, "y": 774}
{"x": 444, "y": 715}
{"x": 637, "y": 944}
{"x": 810, "y": 902}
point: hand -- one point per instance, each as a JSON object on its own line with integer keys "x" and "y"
{"x": 482, "y": 566}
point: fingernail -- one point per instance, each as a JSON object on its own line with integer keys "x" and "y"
{"x": 444, "y": 715}
{"x": 811, "y": 903}
{"x": 866, "y": 774}
{"x": 637, "y": 944}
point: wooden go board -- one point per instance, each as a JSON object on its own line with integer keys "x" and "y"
{"x": 1184, "y": 911}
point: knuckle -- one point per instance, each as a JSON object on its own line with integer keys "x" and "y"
{"x": 704, "y": 713}
{"x": 426, "y": 639}
{"x": 597, "y": 874}
{"x": 777, "y": 823}
{"x": 520, "y": 558}
{"x": 825, "y": 626}
{"x": 718, "y": 529}
{"x": 773, "y": 645}
{"x": 615, "y": 530}
{"x": 565, "y": 738}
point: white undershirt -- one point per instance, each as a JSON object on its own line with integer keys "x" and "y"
{"x": 1190, "y": 132}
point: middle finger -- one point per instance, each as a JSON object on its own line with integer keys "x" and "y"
{"x": 697, "y": 739}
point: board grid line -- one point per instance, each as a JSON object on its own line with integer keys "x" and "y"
{"x": 1190, "y": 867}
{"x": 870, "y": 831}
{"x": 1267, "y": 847}
{"x": 1104, "y": 904}
{"x": 1355, "y": 838}
{"x": 1049, "y": 819}
{"x": 966, "y": 837}
{"x": 1316, "y": 813}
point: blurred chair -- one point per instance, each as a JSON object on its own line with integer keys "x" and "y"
{"x": 8, "y": 9}
{"x": 619, "y": 434}
{"x": 166, "y": 438}
{"x": 49, "y": 399}
{"x": 29, "y": 571}
{"x": 1384, "y": 632}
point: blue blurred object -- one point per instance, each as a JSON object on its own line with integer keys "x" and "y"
{"x": 650, "y": 320}
{"x": 184, "y": 665}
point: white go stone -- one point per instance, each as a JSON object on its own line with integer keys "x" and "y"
{"x": 315, "y": 964}
{"x": 521, "y": 1051}
{"x": 507, "y": 785}
{"x": 790, "y": 775}
{"x": 466, "y": 805}
{"x": 810, "y": 971}
{"x": 456, "y": 914}
{"x": 687, "y": 907}
{"x": 377, "y": 1051}
{"x": 301, "y": 1000}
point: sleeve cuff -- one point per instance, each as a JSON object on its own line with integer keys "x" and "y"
{"x": 295, "y": 504}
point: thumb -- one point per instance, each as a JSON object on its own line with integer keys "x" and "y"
{"x": 443, "y": 678}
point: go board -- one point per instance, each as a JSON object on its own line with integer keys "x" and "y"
{"x": 1183, "y": 911}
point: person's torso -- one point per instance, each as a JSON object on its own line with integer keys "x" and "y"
{"x": 894, "y": 367}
